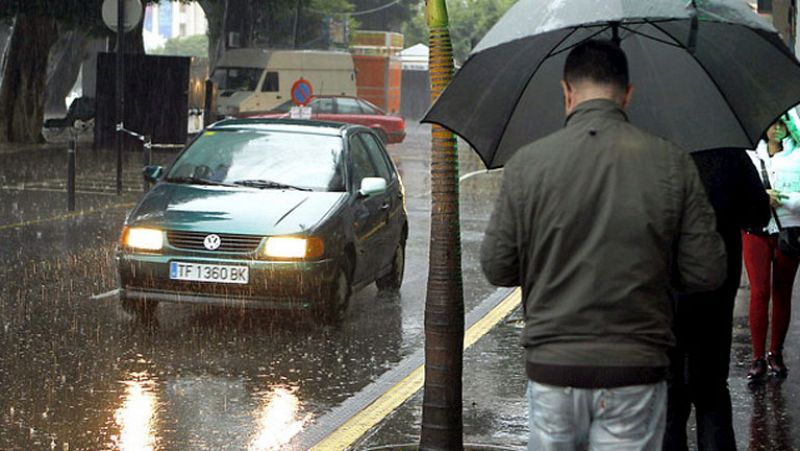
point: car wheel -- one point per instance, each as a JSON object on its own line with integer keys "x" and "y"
{"x": 334, "y": 307}
{"x": 139, "y": 308}
{"x": 394, "y": 279}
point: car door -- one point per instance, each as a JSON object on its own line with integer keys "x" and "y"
{"x": 349, "y": 110}
{"x": 393, "y": 198}
{"x": 369, "y": 212}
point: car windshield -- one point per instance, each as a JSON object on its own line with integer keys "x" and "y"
{"x": 262, "y": 159}
{"x": 236, "y": 78}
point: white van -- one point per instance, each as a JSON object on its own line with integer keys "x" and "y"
{"x": 256, "y": 80}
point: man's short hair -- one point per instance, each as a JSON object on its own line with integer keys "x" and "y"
{"x": 600, "y": 61}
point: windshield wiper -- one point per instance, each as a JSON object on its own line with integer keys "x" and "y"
{"x": 267, "y": 184}
{"x": 196, "y": 181}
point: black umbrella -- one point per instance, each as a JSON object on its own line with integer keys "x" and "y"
{"x": 707, "y": 74}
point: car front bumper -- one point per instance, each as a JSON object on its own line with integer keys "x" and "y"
{"x": 271, "y": 284}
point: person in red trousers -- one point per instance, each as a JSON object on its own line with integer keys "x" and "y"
{"x": 770, "y": 271}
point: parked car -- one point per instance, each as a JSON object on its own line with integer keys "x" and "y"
{"x": 351, "y": 110}
{"x": 264, "y": 213}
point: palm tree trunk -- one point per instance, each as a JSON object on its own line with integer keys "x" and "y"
{"x": 442, "y": 427}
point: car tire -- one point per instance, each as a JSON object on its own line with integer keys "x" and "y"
{"x": 141, "y": 309}
{"x": 394, "y": 279}
{"x": 333, "y": 308}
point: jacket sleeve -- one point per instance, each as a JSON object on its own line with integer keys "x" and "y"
{"x": 755, "y": 212}
{"x": 499, "y": 250}
{"x": 700, "y": 252}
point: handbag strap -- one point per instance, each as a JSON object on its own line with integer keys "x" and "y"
{"x": 768, "y": 185}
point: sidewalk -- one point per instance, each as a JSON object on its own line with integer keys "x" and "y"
{"x": 495, "y": 410}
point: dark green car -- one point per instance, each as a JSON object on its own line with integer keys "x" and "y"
{"x": 267, "y": 214}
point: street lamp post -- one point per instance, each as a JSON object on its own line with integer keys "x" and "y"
{"x": 120, "y": 94}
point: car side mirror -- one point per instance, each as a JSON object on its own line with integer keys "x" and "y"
{"x": 372, "y": 185}
{"x": 152, "y": 173}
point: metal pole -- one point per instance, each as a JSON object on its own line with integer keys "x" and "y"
{"x": 147, "y": 148}
{"x": 71, "y": 151}
{"x": 296, "y": 23}
{"x": 210, "y": 103}
{"x": 120, "y": 88}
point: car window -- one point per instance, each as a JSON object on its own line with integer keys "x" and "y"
{"x": 236, "y": 78}
{"x": 361, "y": 163}
{"x": 271, "y": 83}
{"x": 322, "y": 105}
{"x": 369, "y": 108}
{"x": 230, "y": 156}
{"x": 348, "y": 106}
{"x": 377, "y": 155}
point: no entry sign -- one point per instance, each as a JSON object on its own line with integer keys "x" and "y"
{"x": 302, "y": 92}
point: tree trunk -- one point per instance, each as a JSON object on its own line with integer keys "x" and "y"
{"x": 215, "y": 12}
{"x": 442, "y": 424}
{"x": 22, "y": 93}
{"x": 66, "y": 57}
{"x": 5, "y": 36}
{"x": 238, "y": 19}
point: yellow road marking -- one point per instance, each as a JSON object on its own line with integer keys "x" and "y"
{"x": 64, "y": 216}
{"x": 348, "y": 433}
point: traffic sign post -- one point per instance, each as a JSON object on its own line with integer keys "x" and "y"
{"x": 121, "y": 16}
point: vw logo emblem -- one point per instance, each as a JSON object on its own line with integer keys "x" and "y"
{"x": 212, "y": 242}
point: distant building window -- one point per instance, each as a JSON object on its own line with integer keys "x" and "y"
{"x": 182, "y": 29}
{"x": 270, "y": 82}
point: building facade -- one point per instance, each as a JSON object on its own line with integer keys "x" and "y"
{"x": 170, "y": 20}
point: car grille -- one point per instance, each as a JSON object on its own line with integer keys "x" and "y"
{"x": 228, "y": 242}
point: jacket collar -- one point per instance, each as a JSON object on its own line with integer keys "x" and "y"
{"x": 596, "y": 107}
{"x": 788, "y": 148}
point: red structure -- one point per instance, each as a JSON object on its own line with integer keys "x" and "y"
{"x": 378, "y": 68}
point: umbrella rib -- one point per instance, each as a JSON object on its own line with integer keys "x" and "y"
{"x": 525, "y": 86}
{"x": 574, "y": 29}
{"x": 713, "y": 81}
{"x": 663, "y": 41}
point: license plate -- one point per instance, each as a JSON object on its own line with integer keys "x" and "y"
{"x": 202, "y": 272}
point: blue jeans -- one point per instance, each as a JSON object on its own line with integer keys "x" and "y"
{"x": 620, "y": 419}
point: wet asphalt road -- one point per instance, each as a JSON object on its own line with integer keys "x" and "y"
{"x": 78, "y": 373}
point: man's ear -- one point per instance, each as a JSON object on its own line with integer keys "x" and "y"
{"x": 568, "y": 96}
{"x": 626, "y": 98}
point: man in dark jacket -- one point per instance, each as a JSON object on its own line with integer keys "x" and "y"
{"x": 589, "y": 222}
{"x": 703, "y": 321}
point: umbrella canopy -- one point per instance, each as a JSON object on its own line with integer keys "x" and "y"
{"x": 707, "y": 74}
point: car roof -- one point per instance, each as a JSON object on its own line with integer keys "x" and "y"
{"x": 286, "y": 125}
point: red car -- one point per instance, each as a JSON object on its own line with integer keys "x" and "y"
{"x": 351, "y": 110}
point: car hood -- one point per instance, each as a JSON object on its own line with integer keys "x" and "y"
{"x": 247, "y": 211}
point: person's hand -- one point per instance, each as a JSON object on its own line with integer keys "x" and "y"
{"x": 775, "y": 198}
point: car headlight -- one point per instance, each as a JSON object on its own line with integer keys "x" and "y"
{"x": 143, "y": 238}
{"x": 293, "y": 247}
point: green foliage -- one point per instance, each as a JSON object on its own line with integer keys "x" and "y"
{"x": 196, "y": 45}
{"x": 469, "y": 22}
{"x": 384, "y": 19}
